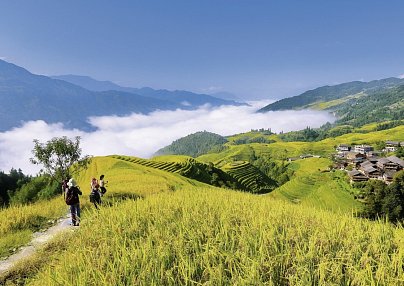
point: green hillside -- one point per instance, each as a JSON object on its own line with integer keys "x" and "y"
{"x": 187, "y": 167}
{"x": 194, "y": 144}
{"x": 313, "y": 186}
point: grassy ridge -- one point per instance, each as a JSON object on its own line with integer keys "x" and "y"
{"x": 126, "y": 177}
{"x": 220, "y": 237}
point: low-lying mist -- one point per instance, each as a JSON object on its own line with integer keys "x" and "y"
{"x": 141, "y": 135}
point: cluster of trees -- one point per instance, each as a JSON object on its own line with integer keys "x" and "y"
{"x": 388, "y": 125}
{"x": 307, "y": 135}
{"x": 247, "y": 140}
{"x": 10, "y": 184}
{"x": 194, "y": 145}
{"x": 316, "y": 134}
{"x": 384, "y": 201}
{"x": 263, "y": 131}
{"x": 400, "y": 152}
{"x": 278, "y": 171}
{"x": 18, "y": 188}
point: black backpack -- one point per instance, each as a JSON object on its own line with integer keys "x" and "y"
{"x": 72, "y": 196}
{"x": 95, "y": 197}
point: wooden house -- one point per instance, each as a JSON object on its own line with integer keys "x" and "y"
{"x": 355, "y": 157}
{"x": 385, "y": 164}
{"x": 398, "y": 161}
{"x": 371, "y": 172}
{"x": 357, "y": 176}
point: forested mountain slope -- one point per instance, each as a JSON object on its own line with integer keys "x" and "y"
{"x": 194, "y": 145}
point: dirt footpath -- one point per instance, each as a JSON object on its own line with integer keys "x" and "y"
{"x": 38, "y": 240}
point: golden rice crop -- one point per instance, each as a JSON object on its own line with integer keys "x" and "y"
{"x": 17, "y": 223}
{"x": 219, "y": 237}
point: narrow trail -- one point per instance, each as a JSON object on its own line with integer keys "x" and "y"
{"x": 39, "y": 239}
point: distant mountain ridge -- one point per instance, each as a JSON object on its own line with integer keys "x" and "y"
{"x": 328, "y": 93}
{"x": 354, "y": 103}
{"x": 25, "y": 96}
{"x": 182, "y": 97}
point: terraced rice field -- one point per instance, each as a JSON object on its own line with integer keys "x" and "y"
{"x": 249, "y": 177}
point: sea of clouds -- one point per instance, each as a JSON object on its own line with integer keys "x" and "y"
{"x": 141, "y": 135}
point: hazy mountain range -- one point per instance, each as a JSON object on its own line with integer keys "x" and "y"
{"x": 71, "y": 99}
{"x": 177, "y": 95}
{"x": 26, "y": 96}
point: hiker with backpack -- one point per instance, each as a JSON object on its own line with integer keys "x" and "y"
{"x": 95, "y": 195}
{"x": 103, "y": 190}
{"x": 73, "y": 201}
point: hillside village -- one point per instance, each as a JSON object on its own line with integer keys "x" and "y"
{"x": 362, "y": 162}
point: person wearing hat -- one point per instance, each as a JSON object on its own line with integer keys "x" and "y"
{"x": 73, "y": 201}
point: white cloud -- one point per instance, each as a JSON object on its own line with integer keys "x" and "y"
{"x": 212, "y": 89}
{"x": 3, "y": 58}
{"x": 141, "y": 135}
{"x": 401, "y": 76}
{"x": 185, "y": 103}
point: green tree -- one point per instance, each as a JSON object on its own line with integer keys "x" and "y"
{"x": 60, "y": 156}
{"x": 385, "y": 201}
{"x": 400, "y": 152}
{"x": 380, "y": 145}
{"x": 10, "y": 183}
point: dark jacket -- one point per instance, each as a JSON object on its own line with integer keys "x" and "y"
{"x": 72, "y": 196}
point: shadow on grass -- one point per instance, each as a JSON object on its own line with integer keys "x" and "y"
{"x": 112, "y": 199}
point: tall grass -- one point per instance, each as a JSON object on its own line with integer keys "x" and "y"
{"x": 18, "y": 222}
{"x": 218, "y": 237}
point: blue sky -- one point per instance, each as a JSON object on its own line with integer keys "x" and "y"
{"x": 255, "y": 49}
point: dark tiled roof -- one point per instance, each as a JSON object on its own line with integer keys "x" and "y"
{"x": 396, "y": 160}
{"x": 354, "y": 172}
{"x": 366, "y": 163}
{"x": 383, "y": 161}
{"x": 369, "y": 169}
